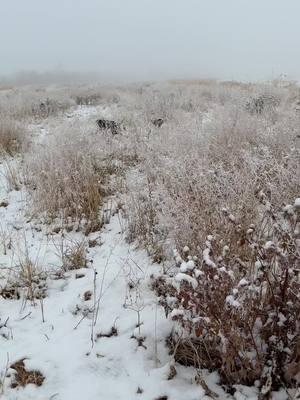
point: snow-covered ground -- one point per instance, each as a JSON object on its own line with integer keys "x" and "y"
{"x": 99, "y": 333}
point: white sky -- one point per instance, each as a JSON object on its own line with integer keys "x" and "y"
{"x": 149, "y": 39}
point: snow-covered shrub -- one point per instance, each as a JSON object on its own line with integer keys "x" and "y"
{"x": 237, "y": 303}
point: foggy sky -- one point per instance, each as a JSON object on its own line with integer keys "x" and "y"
{"x": 153, "y": 39}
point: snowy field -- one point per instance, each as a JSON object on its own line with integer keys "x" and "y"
{"x": 79, "y": 318}
{"x": 91, "y": 336}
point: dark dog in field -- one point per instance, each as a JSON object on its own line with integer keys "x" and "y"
{"x": 105, "y": 124}
{"x": 158, "y": 122}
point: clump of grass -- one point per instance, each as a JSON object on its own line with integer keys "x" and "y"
{"x": 26, "y": 279}
{"x": 12, "y": 174}
{"x": 71, "y": 253}
{"x": 30, "y": 278}
{"x": 74, "y": 256}
{"x": 67, "y": 181}
{"x": 12, "y": 136}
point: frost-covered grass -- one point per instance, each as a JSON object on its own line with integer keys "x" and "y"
{"x": 30, "y": 102}
{"x": 38, "y": 101}
{"x": 237, "y": 305}
{"x": 217, "y": 181}
{"x": 196, "y": 164}
{"x": 194, "y": 171}
{"x": 66, "y": 179}
{"x": 12, "y": 136}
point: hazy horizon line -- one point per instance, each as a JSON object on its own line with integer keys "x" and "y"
{"x": 64, "y": 75}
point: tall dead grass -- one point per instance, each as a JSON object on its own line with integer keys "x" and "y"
{"x": 12, "y": 136}
{"x": 67, "y": 178}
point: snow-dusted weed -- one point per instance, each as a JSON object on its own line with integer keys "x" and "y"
{"x": 236, "y": 305}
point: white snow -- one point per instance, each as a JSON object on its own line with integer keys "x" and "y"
{"x": 186, "y": 278}
{"x": 269, "y": 245}
{"x": 207, "y": 259}
{"x": 297, "y": 203}
{"x": 289, "y": 209}
{"x": 62, "y": 350}
{"x": 187, "y": 266}
{"x": 230, "y": 300}
{"x": 243, "y": 282}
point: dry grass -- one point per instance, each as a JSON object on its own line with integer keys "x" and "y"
{"x": 73, "y": 172}
{"x": 214, "y": 177}
{"x": 30, "y": 278}
{"x": 238, "y": 302}
{"x": 24, "y": 377}
{"x": 67, "y": 180}
{"x": 73, "y": 254}
{"x": 225, "y": 175}
{"x": 26, "y": 279}
{"x": 12, "y": 174}
{"x": 12, "y": 136}
{"x": 34, "y": 102}
{"x": 195, "y": 166}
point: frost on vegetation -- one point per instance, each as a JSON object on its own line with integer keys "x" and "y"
{"x": 236, "y": 315}
{"x": 181, "y": 277}
{"x": 210, "y": 181}
{"x": 218, "y": 195}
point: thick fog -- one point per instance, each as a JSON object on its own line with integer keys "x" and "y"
{"x": 152, "y": 39}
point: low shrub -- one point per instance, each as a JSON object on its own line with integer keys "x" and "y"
{"x": 237, "y": 303}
